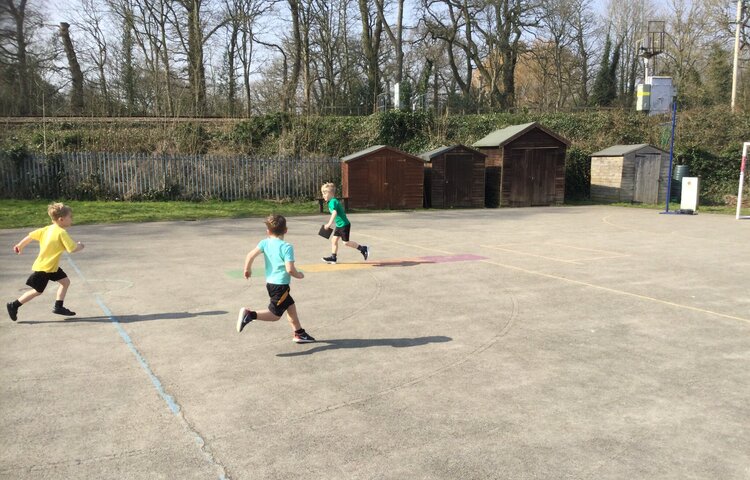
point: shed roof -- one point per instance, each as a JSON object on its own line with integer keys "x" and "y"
{"x": 427, "y": 156}
{"x": 505, "y": 135}
{"x": 620, "y": 150}
{"x": 376, "y": 148}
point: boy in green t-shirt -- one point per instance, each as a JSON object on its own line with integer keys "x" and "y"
{"x": 279, "y": 258}
{"x": 53, "y": 241}
{"x": 343, "y": 225}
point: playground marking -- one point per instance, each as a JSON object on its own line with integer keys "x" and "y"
{"x": 174, "y": 407}
{"x": 576, "y": 261}
{"x": 577, "y": 282}
{"x": 397, "y": 262}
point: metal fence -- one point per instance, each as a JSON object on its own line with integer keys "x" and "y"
{"x": 140, "y": 176}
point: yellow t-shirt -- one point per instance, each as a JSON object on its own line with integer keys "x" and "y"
{"x": 53, "y": 241}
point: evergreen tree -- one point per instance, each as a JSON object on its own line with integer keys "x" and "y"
{"x": 719, "y": 75}
{"x": 604, "y": 92}
{"x": 601, "y": 90}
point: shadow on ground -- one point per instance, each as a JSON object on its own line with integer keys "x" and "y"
{"x": 366, "y": 343}
{"x": 129, "y": 318}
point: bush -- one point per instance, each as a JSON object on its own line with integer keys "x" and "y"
{"x": 718, "y": 173}
{"x": 577, "y": 175}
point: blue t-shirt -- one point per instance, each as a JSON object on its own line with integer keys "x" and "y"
{"x": 276, "y": 252}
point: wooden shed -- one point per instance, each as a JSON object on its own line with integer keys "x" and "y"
{"x": 383, "y": 177}
{"x": 454, "y": 177}
{"x": 531, "y": 160}
{"x": 630, "y": 173}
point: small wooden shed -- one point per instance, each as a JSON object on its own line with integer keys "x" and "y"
{"x": 383, "y": 177}
{"x": 454, "y": 177}
{"x": 531, "y": 160}
{"x": 630, "y": 173}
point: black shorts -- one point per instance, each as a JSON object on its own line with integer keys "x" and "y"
{"x": 39, "y": 280}
{"x": 343, "y": 232}
{"x": 280, "y": 298}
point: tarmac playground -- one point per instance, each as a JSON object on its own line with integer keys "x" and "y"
{"x": 540, "y": 343}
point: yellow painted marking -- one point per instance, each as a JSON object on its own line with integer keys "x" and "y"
{"x": 325, "y": 267}
{"x": 578, "y": 282}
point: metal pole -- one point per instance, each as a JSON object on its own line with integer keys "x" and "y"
{"x": 671, "y": 153}
{"x": 736, "y": 68}
{"x": 742, "y": 178}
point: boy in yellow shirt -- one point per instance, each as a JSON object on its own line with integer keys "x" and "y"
{"x": 53, "y": 241}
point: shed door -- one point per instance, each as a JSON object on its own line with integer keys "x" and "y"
{"x": 395, "y": 183}
{"x": 647, "y": 178}
{"x": 458, "y": 171}
{"x": 376, "y": 182}
{"x": 533, "y": 177}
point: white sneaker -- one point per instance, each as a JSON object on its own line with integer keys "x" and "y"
{"x": 243, "y": 318}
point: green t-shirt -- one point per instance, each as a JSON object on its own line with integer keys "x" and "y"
{"x": 341, "y": 220}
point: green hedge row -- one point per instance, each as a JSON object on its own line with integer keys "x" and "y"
{"x": 708, "y": 140}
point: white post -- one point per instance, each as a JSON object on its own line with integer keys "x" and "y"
{"x": 742, "y": 178}
{"x": 735, "y": 69}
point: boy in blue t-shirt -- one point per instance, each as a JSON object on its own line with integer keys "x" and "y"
{"x": 343, "y": 225}
{"x": 279, "y": 257}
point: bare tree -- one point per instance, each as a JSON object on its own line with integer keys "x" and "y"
{"x": 76, "y": 75}
{"x": 198, "y": 34}
{"x": 92, "y": 23}
{"x": 451, "y": 22}
{"x": 372, "y": 30}
{"x": 395, "y": 35}
{"x": 18, "y": 23}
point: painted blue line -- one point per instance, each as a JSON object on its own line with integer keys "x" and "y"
{"x": 173, "y": 406}
{"x": 126, "y": 338}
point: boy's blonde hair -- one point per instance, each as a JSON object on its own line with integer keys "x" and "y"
{"x": 58, "y": 210}
{"x": 328, "y": 187}
{"x": 276, "y": 224}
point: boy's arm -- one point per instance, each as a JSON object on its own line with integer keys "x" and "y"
{"x": 331, "y": 220}
{"x": 79, "y": 247}
{"x": 249, "y": 261}
{"x": 18, "y": 248}
{"x": 292, "y": 270}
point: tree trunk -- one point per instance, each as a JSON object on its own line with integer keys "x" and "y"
{"x": 196, "y": 70}
{"x": 290, "y": 91}
{"x": 76, "y": 76}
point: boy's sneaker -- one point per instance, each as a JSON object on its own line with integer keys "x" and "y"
{"x": 63, "y": 311}
{"x": 302, "y": 337}
{"x": 12, "y": 311}
{"x": 365, "y": 251}
{"x": 329, "y": 259}
{"x": 243, "y": 319}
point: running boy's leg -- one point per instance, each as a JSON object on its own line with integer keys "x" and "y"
{"x": 16, "y": 304}
{"x": 60, "y": 298}
{"x": 247, "y": 315}
{"x": 300, "y": 335}
{"x": 62, "y": 289}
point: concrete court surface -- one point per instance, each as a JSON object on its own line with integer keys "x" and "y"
{"x": 539, "y": 343}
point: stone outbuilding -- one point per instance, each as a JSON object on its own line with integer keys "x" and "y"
{"x": 629, "y": 173}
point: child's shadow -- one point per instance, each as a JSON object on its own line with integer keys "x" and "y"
{"x": 364, "y": 343}
{"x": 131, "y": 318}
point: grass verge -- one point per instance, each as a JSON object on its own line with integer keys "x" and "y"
{"x": 33, "y": 213}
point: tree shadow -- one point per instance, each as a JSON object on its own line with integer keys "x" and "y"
{"x": 365, "y": 343}
{"x": 129, "y": 318}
